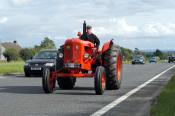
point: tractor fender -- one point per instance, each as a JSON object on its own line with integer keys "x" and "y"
{"x": 107, "y": 45}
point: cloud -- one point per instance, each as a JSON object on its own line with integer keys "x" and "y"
{"x": 159, "y": 29}
{"x": 124, "y": 28}
{"x": 119, "y": 27}
{"x": 3, "y": 19}
{"x": 21, "y": 2}
{"x": 116, "y": 27}
{"x": 129, "y": 19}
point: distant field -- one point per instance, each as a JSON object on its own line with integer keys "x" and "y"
{"x": 12, "y": 67}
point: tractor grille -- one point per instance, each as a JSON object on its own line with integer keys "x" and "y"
{"x": 72, "y": 53}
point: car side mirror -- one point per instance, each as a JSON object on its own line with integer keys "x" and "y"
{"x": 31, "y": 57}
{"x": 79, "y": 34}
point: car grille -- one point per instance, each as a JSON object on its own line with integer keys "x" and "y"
{"x": 37, "y": 64}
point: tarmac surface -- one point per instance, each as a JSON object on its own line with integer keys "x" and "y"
{"x": 23, "y": 96}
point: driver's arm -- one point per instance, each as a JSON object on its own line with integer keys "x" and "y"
{"x": 97, "y": 42}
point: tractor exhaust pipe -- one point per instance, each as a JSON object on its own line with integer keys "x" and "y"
{"x": 84, "y": 28}
{"x": 84, "y": 36}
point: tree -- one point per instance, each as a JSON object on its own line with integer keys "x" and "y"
{"x": 127, "y": 53}
{"x": 26, "y": 53}
{"x": 47, "y": 43}
{"x": 137, "y": 52}
{"x": 159, "y": 54}
{"x": 11, "y": 54}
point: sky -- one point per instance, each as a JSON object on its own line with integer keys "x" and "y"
{"x": 143, "y": 24}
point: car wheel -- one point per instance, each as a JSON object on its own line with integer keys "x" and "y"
{"x": 27, "y": 74}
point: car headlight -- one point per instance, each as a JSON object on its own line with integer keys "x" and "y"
{"x": 60, "y": 55}
{"x": 49, "y": 64}
{"x": 86, "y": 55}
{"x": 26, "y": 64}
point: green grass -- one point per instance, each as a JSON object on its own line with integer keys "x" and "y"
{"x": 12, "y": 67}
{"x": 127, "y": 62}
{"x": 165, "y": 104}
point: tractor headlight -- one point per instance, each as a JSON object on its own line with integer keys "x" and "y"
{"x": 49, "y": 64}
{"x": 60, "y": 55}
{"x": 86, "y": 55}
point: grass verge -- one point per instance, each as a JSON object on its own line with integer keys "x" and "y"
{"x": 165, "y": 103}
{"x": 12, "y": 67}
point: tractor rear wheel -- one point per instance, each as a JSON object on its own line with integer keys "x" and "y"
{"x": 100, "y": 80}
{"x": 66, "y": 82}
{"x": 112, "y": 61}
{"x": 48, "y": 82}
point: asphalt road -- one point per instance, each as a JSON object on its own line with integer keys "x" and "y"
{"x": 21, "y": 96}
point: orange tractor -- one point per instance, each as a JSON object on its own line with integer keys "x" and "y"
{"x": 79, "y": 58}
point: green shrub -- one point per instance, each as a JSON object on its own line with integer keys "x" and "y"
{"x": 26, "y": 53}
{"x": 11, "y": 54}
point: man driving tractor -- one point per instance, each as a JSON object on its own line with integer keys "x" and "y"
{"x": 91, "y": 37}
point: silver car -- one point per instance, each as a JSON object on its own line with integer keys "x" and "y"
{"x": 139, "y": 59}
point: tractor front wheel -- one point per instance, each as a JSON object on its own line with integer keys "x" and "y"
{"x": 100, "y": 80}
{"x": 48, "y": 82}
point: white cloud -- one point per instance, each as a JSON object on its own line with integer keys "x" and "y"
{"x": 159, "y": 29}
{"x": 117, "y": 27}
{"x": 21, "y": 2}
{"x": 125, "y": 28}
{"x": 3, "y": 19}
{"x": 33, "y": 20}
{"x": 121, "y": 27}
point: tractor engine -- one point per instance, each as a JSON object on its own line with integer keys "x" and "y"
{"x": 77, "y": 54}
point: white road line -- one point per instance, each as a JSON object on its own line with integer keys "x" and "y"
{"x": 2, "y": 77}
{"x": 124, "y": 97}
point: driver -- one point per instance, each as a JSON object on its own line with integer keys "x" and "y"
{"x": 92, "y": 37}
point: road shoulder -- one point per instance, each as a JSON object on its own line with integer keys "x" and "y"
{"x": 139, "y": 104}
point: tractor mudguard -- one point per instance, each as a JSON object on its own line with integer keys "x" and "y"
{"x": 107, "y": 45}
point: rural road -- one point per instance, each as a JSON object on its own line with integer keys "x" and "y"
{"x": 21, "y": 96}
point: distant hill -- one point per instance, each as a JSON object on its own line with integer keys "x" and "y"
{"x": 165, "y": 51}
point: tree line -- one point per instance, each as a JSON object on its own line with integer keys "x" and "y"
{"x": 26, "y": 53}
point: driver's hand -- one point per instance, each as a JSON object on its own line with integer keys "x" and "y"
{"x": 94, "y": 50}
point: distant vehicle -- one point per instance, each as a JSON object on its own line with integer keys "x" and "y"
{"x": 152, "y": 60}
{"x": 45, "y": 58}
{"x": 171, "y": 59}
{"x": 138, "y": 59}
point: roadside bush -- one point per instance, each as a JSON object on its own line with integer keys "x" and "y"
{"x": 127, "y": 54}
{"x": 11, "y": 54}
{"x": 26, "y": 53}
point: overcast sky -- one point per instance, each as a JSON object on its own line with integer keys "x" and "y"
{"x": 145, "y": 24}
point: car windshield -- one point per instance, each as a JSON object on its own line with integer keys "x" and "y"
{"x": 46, "y": 55}
{"x": 152, "y": 58}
